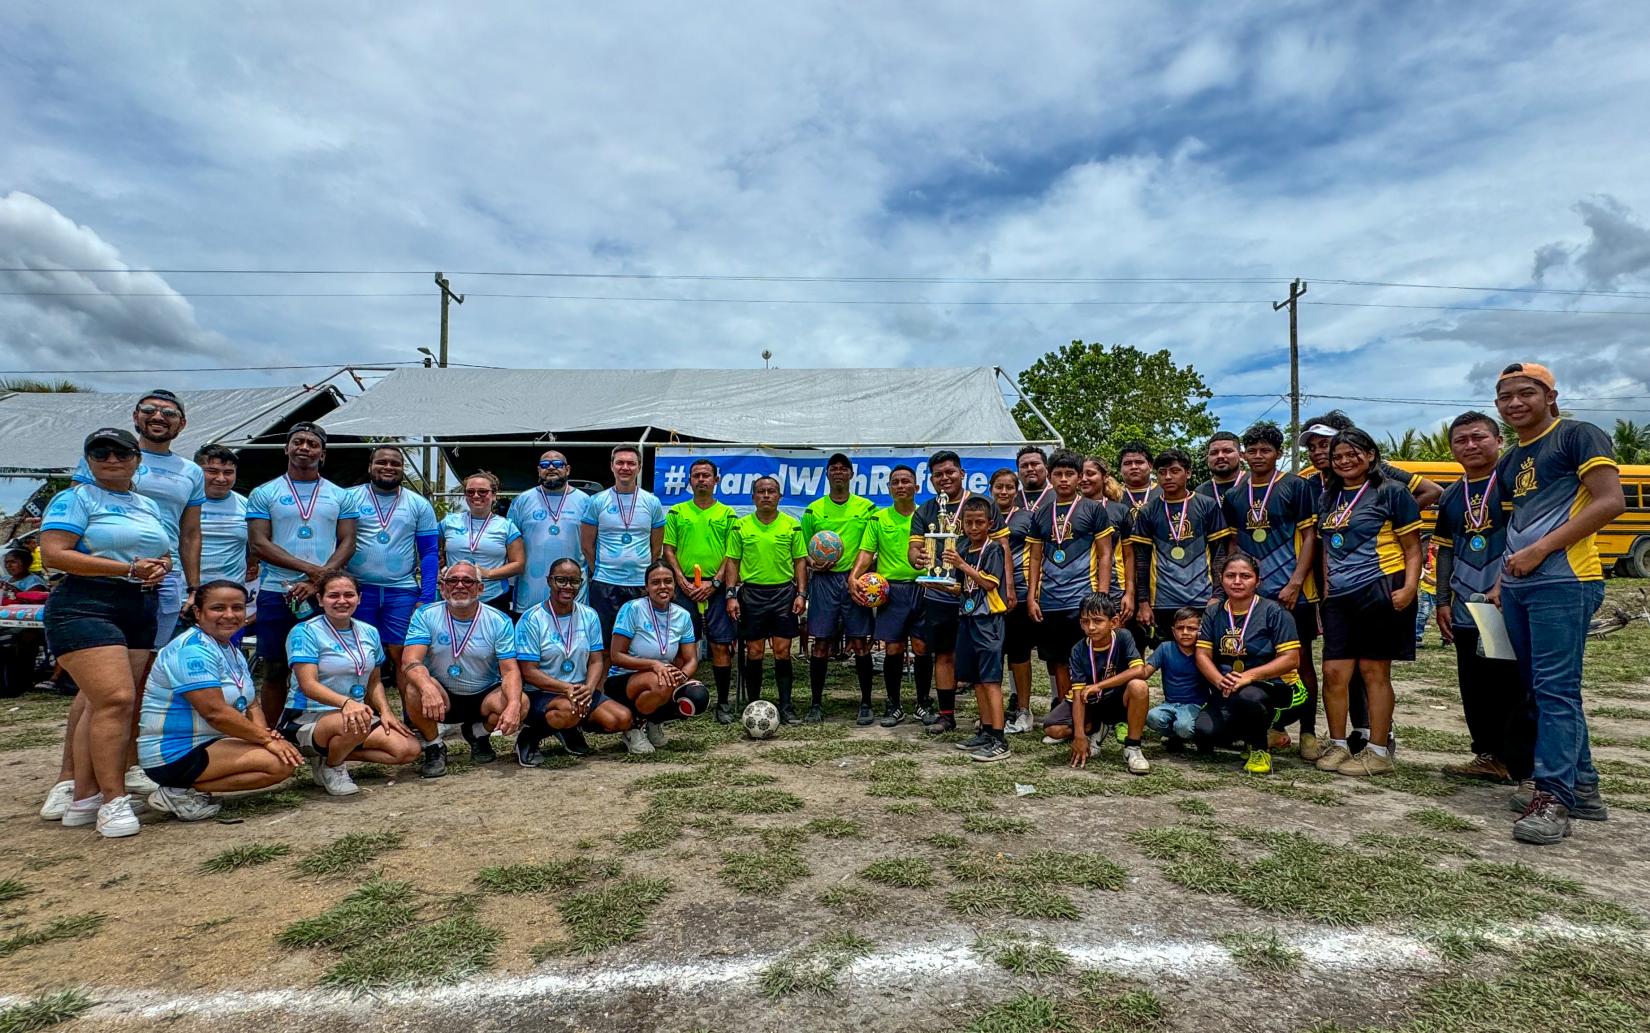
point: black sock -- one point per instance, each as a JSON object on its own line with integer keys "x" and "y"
{"x": 948, "y": 701}
{"x": 783, "y": 676}
{"x": 724, "y": 678}
{"x": 862, "y": 671}
{"x": 893, "y": 673}
{"x": 817, "y": 668}
{"x": 752, "y": 674}
{"x": 997, "y": 734}
{"x": 1131, "y": 742}
{"x": 923, "y": 675}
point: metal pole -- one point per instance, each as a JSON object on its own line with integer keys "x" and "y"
{"x": 1296, "y": 289}
{"x": 447, "y": 296}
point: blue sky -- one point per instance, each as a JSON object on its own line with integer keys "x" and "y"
{"x": 1414, "y": 143}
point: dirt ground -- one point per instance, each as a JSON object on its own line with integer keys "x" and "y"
{"x": 185, "y": 950}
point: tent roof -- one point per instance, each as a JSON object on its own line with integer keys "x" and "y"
{"x": 779, "y": 406}
{"x": 41, "y": 433}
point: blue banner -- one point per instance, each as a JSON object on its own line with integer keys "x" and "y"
{"x": 801, "y": 472}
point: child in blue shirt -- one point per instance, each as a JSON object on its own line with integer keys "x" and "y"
{"x": 1184, "y": 690}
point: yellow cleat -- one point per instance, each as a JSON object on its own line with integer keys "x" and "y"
{"x": 1259, "y": 763}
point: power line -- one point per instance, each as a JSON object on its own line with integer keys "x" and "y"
{"x": 1494, "y": 290}
{"x": 1480, "y": 308}
{"x": 231, "y": 369}
{"x": 601, "y": 297}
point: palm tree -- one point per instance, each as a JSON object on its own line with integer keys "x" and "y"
{"x": 1404, "y": 448}
{"x": 24, "y": 385}
{"x": 1632, "y": 442}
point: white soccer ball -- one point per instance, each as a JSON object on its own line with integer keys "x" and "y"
{"x": 761, "y": 720}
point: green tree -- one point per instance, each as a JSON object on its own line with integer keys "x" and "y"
{"x": 25, "y": 385}
{"x": 1632, "y": 442}
{"x": 1099, "y": 397}
{"x": 1418, "y": 445}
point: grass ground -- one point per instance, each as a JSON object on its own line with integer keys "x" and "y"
{"x": 840, "y": 877}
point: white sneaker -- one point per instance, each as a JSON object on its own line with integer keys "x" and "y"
{"x": 81, "y": 813}
{"x": 635, "y": 741}
{"x": 1136, "y": 761}
{"x": 1027, "y": 721}
{"x": 115, "y": 819}
{"x": 138, "y": 782}
{"x": 1049, "y": 740}
{"x": 655, "y": 733}
{"x": 184, "y": 804}
{"x": 335, "y": 780}
{"x": 57, "y": 801}
{"x": 1095, "y": 742}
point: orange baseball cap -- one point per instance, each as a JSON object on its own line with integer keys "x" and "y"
{"x": 1534, "y": 371}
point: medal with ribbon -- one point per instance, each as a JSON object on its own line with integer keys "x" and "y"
{"x": 1342, "y": 515}
{"x": 1135, "y": 504}
{"x": 355, "y": 651}
{"x": 1098, "y": 673}
{"x": 661, "y": 631}
{"x": 554, "y": 516}
{"x": 305, "y": 510}
{"x": 1257, "y": 510}
{"x": 456, "y": 668}
{"x": 473, "y": 533}
{"x": 564, "y": 637}
{"x": 1040, "y": 497}
{"x": 1231, "y": 643}
{"x": 233, "y": 665}
{"x": 1178, "y": 531}
{"x": 1478, "y": 519}
{"x": 625, "y": 516}
{"x": 384, "y": 516}
{"x": 1062, "y": 529}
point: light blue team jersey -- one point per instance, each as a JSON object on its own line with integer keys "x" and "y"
{"x": 491, "y": 544}
{"x": 30, "y": 583}
{"x": 121, "y": 525}
{"x": 491, "y": 637}
{"x": 312, "y": 540}
{"x": 173, "y": 482}
{"x": 644, "y": 625}
{"x": 388, "y": 556}
{"x": 169, "y": 727}
{"x": 560, "y": 646}
{"x": 549, "y": 526}
{"x": 223, "y": 539}
{"x": 624, "y": 547}
{"x": 344, "y": 660}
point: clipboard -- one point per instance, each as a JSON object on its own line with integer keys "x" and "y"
{"x": 1492, "y": 631}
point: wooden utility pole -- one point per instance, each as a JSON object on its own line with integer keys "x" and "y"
{"x": 1292, "y": 302}
{"x": 447, "y": 297}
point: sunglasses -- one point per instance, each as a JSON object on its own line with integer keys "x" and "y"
{"x": 477, "y": 493}
{"x": 103, "y": 453}
{"x": 567, "y": 582}
{"x": 552, "y": 464}
{"x": 149, "y": 409}
{"x": 460, "y": 582}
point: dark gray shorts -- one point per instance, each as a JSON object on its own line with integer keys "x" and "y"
{"x": 896, "y": 619}
{"x": 832, "y": 610}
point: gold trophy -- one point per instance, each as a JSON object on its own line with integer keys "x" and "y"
{"x": 941, "y": 536}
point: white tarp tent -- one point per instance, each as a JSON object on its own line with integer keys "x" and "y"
{"x": 778, "y": 407}
{"x": 41, "y": 433}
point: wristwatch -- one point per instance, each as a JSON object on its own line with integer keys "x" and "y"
{"x": 716, "y": 584}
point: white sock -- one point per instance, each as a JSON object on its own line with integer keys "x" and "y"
{"x": 1379, "y": 751}
{"x": 1338, "y": 742}
{"x": 1361, "y": 732}
{"x": 91, "y": 803}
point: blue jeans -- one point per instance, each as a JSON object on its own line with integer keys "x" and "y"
{"x": 1547, "y": 624}
{"x": 1423, "y": 613}
{"x": 1173, "y": 719}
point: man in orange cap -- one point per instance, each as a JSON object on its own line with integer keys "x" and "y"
{"x": 1562, "y": 479}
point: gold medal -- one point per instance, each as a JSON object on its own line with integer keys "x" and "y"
{"x": 1237, "y": 666}
{"x": 1258, "y": 534}
{"x": 1178, "y": 552}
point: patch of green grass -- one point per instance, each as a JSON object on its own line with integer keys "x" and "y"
{"x": 1417, "y": 780}
{"x": 11, "y": 889}
{"x": 604, "y": 918}
{"x": 994, "y": 899}
{"x": 549, "y": 875}
{"x": 349, "y": 852}
{"x": 992, "y": 823}
{"x": 377, "y": 909}
{"x": 35, "y": 706}
{"x": 451, "y": 947}
{"x": 835, "y": 828}
{"x": 1432, "y": 740}
{"x": 904, "y": 809}
{"x": 1041, "y": 868}
{"x": 1100, "y": 1004}
{"x": 946, "y": 841}
{"x": 31, "y": 738}
{"x": 762, "y": 871}
{"x": 1262, "y": 952}
{"x": 814, "y": 968}
{"x": 1439, "y": 820}
{"x": 1292, "y": 790}
{"x": 1621, "y": 713}
{"x": 75, "y": 927}
{"x": 253, "y": 804}
{"x": 904, "y": 872}
{"x": 1194, "y": 806}
{"x": 1024, "y": 957}
{"x": 246, "y": 855}
{"x": 44, "y": 1011}
{"x": 1461, "y": 944}
{"x": 680, "y": 804}
{"x": 1422, "y": 846}
{"x": 815, "y": 753}
{"x": 651, "y": 835}
{"x": 706, "y": 775}
{"x": 849, "y": 901}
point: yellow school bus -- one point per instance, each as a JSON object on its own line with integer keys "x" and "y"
{"x": 1623, "y": 544}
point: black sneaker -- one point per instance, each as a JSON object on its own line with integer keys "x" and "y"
{"x": 1011, "y": 715}
{"x": 724, "y": 713}
{"x": 891, "y": 716}
{"x": 927, "y": 714}
{"x": 527, "y": 751}
{"x": 974, "y": 742}
{"x": 1590, "y": 804}
{"x": 815, "y": 715}
{"x": 787, "y": 715}
{"x": 991, "y": 752}
{"x": 1173, "y": 744}
{"x": 481, "y": 746}
{"x": 941, "y": 725}
{"x": 1544, "y": 822}
{"x": 573, "y": 741}
{"x": 865, "y": 716}
{"x": 434, "y": 764}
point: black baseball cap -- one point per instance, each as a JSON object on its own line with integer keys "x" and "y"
{"x": 840, "y": 457}
{"x": 164, "y": 395}
{"x": 307, "y": 428}
{"x": 112, "y": 436}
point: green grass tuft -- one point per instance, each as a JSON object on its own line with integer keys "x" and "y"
{"x": 1101, "y": 1004}
{"x": 11, "y": 889}
{"x": 372, "y": 912}
{"x": 995, "y": 823}
{"x": 1439, "y": 820}
{"x": 1621, "y": 713}
{"x": 762, "y": 871}
{"x": 246, "y": 855}
{"x": 904, "y": 872}
{"x": 807, "y": 756}
{"x": 835, "y": 828}
{"x": 1262, "y": 952}
{"x": 814, "y": 968}
{"x": 349, "y": 852}
{"x": 31, "y": 738}
{"x": 443, "y": 952}
{"x": 550, "y": 875}
{"x": 1023, "y": 957}
{"x": 946, "y": 841}
{"x": 851, "y": 901}
{"x": 1193, "y": 806}
{"x": 253, "y": 804}
{"x": 604, "y": 918}
{"x": 75, "y": 927}
{"x": 44, "y": 1011}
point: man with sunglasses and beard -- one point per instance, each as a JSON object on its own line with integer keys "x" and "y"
{"x": 548, "y": 517}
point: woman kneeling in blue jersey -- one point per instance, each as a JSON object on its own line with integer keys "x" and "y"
{"x": 459, "y": 666}
{"x": 654, "y": 657}
{"x": 199, "y": 732}
{"x": 563, "y": 661}
{"x": 335, "y": 706}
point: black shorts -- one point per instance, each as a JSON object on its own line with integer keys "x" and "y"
{"x": 182, "y": 773}
{"x": 980, "y": 649}
{"x": 1362, "y": 625}
{"x": 937, "y": 626}
{"x": 298, "y": 728}
{"x": 1057, "y": 635}
{"x": 606, "y": 599}
{"x": 614, "y": 687}
{"x": 765, "y": 611}
{"x": 832, "y": 610}
{"x": 1306, "y": 622}
{"x": 1106, "y": 709}
{"x": 88, "y": 612}
{"x": 465, "y": 707}
{"x": 538, "y": 704}
{"x": 713, "y": 624}
{"x": 897, "y": 618}
{"x": 1019, "y": 635}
